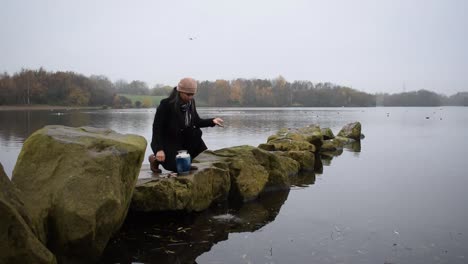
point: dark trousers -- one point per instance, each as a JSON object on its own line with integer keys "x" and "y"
{"x": 191, "y": 141}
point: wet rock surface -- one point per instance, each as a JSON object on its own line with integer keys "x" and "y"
{"x": 18, "y": 241}
{"x": 77, "y": 184}
{"x": 247, "y": 170}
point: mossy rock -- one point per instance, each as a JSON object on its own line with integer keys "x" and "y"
{"x": 248, "y": 177}
{"x": 18, "y": 242}
{"x": 351, "y": 130}
{"x": 279, "y": 168}
{"x": 306, "y": 159}
{"x": 327, "y": 133}
{"x": 253, "y": 170}
{"x": 194, "y": 192}
{"x": 311, "y": 134}
{"x": 331, "y": 145}
{"x": 285, "y": 144}
{"x": 77, "y": 185}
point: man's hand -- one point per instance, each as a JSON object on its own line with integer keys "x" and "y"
{"x": 218, "y": 121}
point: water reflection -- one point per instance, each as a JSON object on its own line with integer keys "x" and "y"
{"x": 327, "y": 157}
{"x": 354, "y": 146}
{"x": 304, "y": 179}
{"x": 21, "y": 124}
{"x": 181, "y": 238}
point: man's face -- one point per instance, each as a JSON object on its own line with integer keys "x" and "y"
{"x": 186, "y": 97}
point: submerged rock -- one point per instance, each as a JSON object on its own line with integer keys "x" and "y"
{"x": 77, "y": 185}
{"x": 18, "y": 242}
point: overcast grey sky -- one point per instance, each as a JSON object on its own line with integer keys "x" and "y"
{"x": 370, "y": 45}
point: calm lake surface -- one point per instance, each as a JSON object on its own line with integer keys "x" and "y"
{"x": 399, "y": 197}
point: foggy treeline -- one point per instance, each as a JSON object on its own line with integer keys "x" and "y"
{"x": 72, "y": 89}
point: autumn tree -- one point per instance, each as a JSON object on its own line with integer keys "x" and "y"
{"x": 219, "y": 96}
{"x": 101, "y": 91}
{"x": 7, "y": 89}
{"x": 78, "y": 96}
{"x": 236, "y": 93}
{"x": 281, "y": 92}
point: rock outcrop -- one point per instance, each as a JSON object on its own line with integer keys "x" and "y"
{"x": 77, "y": 185}
{"x": 248, "y": 170}
{"x": 18, "y": 242}
{"x": 194, "y": 192}
{"x": 352, "y": 130}
{"x": 253, "y": 169}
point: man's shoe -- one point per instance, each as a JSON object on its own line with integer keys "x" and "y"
{"x": 154, "y": 164}
{"x": 155, "y": 169}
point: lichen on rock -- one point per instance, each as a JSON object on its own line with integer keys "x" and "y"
{"x": 18, "y": 241}
{"x": 77, "y": 185}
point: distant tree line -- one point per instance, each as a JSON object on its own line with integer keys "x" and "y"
{"x": 422, "y": 98}
{"x": 68, "y": 89}
{"x": 72, "y": 89}
{"x": 59, "y": 88}
{"x": 278, "y": 92}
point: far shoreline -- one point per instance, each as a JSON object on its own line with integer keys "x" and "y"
{"x": 45, "y": 107}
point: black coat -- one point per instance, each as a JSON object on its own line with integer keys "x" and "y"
{"x": 171, "y": 135}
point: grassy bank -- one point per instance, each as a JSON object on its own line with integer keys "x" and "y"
{"x": 145, "y": 100}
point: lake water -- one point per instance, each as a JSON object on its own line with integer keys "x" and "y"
{"x": 399, "y": 198}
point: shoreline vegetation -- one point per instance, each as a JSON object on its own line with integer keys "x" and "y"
{"x": 45, "y": 107}
{"x": 68, "y": 108}
{"x": 41, "y": 87}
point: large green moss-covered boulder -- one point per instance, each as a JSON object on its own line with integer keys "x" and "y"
{"x": 77, "y": 185}
{"x": 254, "y": 170}
{"x": 18, "y": 242}
{"x": 248, "y": 177}
{"x": 351, "y": 130}
{"x": 305, "y": 159}
{"x": 194, "y": 192}
{"x": 279, "y": 168}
